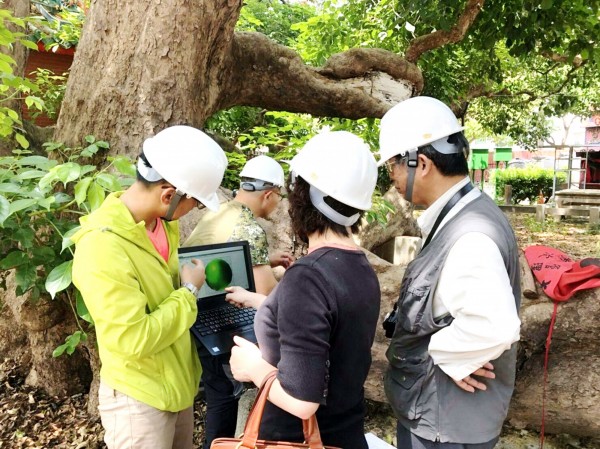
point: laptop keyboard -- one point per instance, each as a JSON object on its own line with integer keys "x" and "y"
{"x": 223, "y": 318}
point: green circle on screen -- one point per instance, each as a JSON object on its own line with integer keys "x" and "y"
{"x": 218, "y": 274}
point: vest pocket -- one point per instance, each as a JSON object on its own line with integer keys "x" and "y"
{"x": 412, "y": 308}
{"x": 403, "y": 387}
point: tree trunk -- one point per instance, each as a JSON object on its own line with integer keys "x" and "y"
{"x": 38, "y": 328}
{"x": 141, "y": 66}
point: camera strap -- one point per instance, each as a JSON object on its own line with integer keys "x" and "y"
{"x": 449, "y": 205}
{"x": 390, "y": 318}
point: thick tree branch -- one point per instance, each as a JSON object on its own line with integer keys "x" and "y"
{"x": 354, "y": 84}
{"x": 577, "y": 61}
{"x": 440, "y": 38}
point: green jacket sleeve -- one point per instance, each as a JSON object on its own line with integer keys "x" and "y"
{"x": 130, "y": 323}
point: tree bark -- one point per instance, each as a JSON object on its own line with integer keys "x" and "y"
{"x": 141, "y": 66}
{"x": 40, "y": 327}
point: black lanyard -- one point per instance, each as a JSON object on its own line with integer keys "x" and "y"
{"x": 449, "y": 205}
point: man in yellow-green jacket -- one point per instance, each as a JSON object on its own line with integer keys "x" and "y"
{"x": 127, "y": 270}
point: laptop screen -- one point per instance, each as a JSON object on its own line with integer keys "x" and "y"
{"x": 226, "y": 265}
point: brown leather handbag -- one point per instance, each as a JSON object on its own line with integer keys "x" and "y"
{"x": 249, "y": 439}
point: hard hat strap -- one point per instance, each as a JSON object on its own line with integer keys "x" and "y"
{"x": 256, "y": 186}
{"x": 317, "y": 198}
{"x": 174, "y": 203}
{"x": 147, "y": 172}
{"x": 411, "y": 164}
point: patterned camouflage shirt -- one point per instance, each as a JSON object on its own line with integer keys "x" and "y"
{"x": 247, "y": 228}
{"x": 231, "y": 223}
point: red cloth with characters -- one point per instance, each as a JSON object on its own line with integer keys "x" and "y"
{"x": 559, "y": 275}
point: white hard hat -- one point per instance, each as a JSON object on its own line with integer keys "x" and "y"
{"x": 416, "y": 122}
{"x": 265, "y": 169}
{"x": 190, "y": 160}
{"x": 340, "y": 165}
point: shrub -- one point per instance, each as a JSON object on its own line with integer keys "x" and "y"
{"x": 41, "y": 198}
{"x": 527, "y": 183}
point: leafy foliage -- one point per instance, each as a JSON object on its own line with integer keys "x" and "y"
{"x": 528, "y": 184}
{"x": 11, "y": 86}
{"x": 41, "y": 198}
{"x": 274, "y": 19}
{"x": 50, "y": 90}
{"x": 60, "y": 24}
{"x": 519, "y": 63}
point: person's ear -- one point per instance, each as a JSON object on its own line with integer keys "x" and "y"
{"x": 266, "y": 195}
{"x": 167, "y": 192}
{"x": 425, "y": 163}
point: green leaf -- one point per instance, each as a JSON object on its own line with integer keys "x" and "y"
{"x": 4, "y": 209}
{"x": 59, "y": 278}
{"x": 123, "y": 165}
{"x": 19, "y": 205}
{"x": 22, "y": 140}
{"x": 47, "y": 202}
{"x": 81, "y": 189}
{"x": 42, "y": 255}
{"x": 82, "y": 309}
{"x": 24, "y": 235}
{"x": 27, "y": 43}
{"x": 14, "y": 259}
{"x": 25, "y": 276}
{"x": 67, "y": 242}
{"x": 90, "y": 139}
{"x": 546, "y": 4}
{"x": 95, "y": 195}
{"x": 48, "y": 179}
{"x": 68, "y": 172}
{"x": 108, "y": 182}
{"x": 90, "y": 150}
{"x": 40, "y": 162}
{"x": 29, "y": 174}
{"x": 70, "y": 344}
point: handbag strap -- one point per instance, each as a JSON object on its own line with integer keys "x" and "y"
{"x": 310, "y": 427}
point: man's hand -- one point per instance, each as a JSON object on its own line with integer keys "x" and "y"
{"x": 193, "y": 272}
{"x": 281, "y": 259}
{"x": 470, "y": 384}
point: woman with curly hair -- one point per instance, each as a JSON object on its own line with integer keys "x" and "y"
{"x": 317, "y": 327}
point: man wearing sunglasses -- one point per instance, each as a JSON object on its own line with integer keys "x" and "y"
{"x": 259, "y": 195}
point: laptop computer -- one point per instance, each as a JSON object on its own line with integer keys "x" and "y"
{"x": 226, "y": 264}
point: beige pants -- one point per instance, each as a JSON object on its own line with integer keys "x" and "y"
{"x": 129, "y": 423}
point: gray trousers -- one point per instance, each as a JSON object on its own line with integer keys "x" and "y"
{"x": 407, "y": 440}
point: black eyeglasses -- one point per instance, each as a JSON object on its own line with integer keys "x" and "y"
{"x": 281, "y": 195}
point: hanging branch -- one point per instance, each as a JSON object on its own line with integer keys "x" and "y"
{"x": 440, "y": 38}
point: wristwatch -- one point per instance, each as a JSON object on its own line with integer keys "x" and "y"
{"x": 191, "y": 287}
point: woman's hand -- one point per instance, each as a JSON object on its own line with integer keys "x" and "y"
{"x": 241, "y": 297}
{"x": 247, "y": 364}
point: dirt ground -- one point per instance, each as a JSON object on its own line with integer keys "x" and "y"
{"x": 31, "y": 419}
